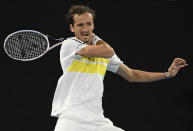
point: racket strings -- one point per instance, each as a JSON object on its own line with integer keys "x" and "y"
{"x": 26, "y": 45}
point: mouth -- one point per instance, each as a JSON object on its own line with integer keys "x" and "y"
{"x": 84, "y": 34}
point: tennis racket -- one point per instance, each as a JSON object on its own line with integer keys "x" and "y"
{"x": 27, "y": 45}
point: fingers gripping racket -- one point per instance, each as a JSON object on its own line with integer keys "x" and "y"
{"x": 27, "y": 45}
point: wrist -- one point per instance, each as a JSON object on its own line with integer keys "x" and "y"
{"x": 95, "y": 39}
{"x": 167, "y": 75}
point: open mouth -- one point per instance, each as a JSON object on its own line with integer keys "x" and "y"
{"x": 84, "y": 34}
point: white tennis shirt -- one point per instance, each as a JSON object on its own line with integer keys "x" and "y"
{"x": 79, "y": 91}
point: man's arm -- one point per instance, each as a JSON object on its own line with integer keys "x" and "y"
{"x": 101, "y": 49}
{"x": 133, "y": 75}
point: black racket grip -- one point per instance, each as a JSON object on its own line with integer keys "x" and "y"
{"x": 52, "y": 38}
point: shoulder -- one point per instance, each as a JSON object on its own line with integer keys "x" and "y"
{"x": 72, "y": 41}
{"x": 71, "y": 45}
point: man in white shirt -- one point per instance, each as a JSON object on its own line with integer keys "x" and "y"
{"x": 84, "y": 59}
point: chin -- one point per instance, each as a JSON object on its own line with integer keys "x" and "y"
{"x": 86, "y": 40}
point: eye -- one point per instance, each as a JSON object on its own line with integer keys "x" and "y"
{"x": 80, "y": 25}
{"x": 89, "y": 23}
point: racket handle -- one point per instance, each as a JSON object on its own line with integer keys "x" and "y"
{"x": 50, "y": 37}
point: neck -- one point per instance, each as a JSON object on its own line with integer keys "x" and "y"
{"x": 87, "y": 42}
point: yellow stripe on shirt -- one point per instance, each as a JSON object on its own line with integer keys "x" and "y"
{"x": 91, "y": 65}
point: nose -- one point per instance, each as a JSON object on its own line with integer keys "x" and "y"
{"x": 84, "y": 28}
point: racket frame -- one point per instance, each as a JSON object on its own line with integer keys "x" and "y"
{"x": 28, "y": 31}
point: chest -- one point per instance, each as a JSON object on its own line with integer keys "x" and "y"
{"x": 89, "y": 65}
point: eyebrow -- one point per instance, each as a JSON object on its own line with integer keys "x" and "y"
{"x": 83, "y": 23}
{"x": 79, "y": 24}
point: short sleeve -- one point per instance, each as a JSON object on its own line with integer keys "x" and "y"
{"x": 114, "y": 63}
{"x": 68, "y": 50}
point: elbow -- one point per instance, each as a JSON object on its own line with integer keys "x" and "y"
{"x": 132, "y": 81}
{"x": 130, "y": 77}
{"x": 129, "y": 80}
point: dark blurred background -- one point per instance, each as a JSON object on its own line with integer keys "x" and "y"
{"x": 146, "y": 35}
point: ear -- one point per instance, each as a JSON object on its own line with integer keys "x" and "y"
{"x": 71, "y": 27}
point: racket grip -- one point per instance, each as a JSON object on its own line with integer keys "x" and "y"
{"x": 52, "y": 38}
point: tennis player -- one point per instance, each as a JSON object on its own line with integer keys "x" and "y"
{"x": 85, "y": 59}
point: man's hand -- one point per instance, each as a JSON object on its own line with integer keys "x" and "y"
{"x": 177, "y": 64}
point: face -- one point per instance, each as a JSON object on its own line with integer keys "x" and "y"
{"x": 83, "y": 27}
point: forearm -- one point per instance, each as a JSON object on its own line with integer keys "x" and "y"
{"x": 102, "y": 45}
{"x": 98, "y": 48}
{"x": 143, "y": 76}
{"x": 98, "y": 41}
{"x": 133, "y": 75}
